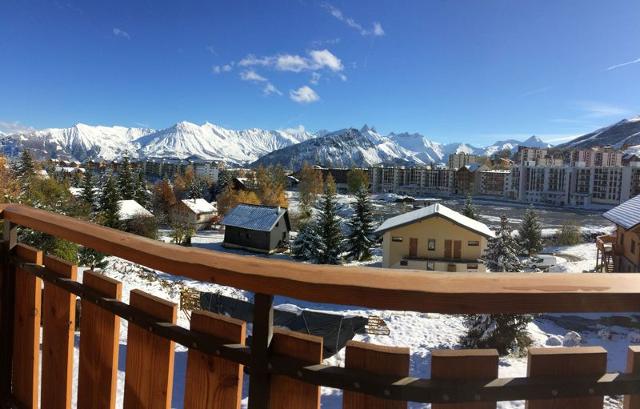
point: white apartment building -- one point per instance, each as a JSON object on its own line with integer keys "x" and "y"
{"x": 411, "y": 181}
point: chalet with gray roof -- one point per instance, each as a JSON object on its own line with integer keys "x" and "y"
{"x": 262, "y": 229}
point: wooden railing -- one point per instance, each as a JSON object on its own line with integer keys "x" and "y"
{"x": 285, "y": 368}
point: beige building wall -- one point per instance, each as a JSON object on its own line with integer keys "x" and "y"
{"x": 628, "y": 249}
{"x": 439, "y": 229}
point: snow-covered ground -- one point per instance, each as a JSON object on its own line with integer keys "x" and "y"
{"x": 419, "y": 331}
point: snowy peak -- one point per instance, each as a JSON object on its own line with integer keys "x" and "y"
{"x": 622, "y": 134}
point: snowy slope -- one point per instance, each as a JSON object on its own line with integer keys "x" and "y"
{"x": 344, "y": 148}
{"x": 79, "y": 142}
{"x": 624, "y": 133}
{"x": 209, "y": 141}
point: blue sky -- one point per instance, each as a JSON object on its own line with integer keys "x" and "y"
{"x": 471, "y": 71}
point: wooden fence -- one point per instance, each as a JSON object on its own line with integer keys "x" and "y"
{"x": 285, "y": 368}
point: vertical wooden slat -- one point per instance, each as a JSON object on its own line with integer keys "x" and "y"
{"x": 381, "y": 360}
{"x": 464, "y": 364}
{"x": 7, "y": 299}
{"x": 58, "y": 324}
{"x": 262, "y": 332}
{"x": 633, "y": 366}
{"x": 99, "y": 341}
{"x": 566, "y": 362}
{"x": 149, "y": 368}
{"x": 26, "y": 344}
{"x": 213, "y": 382}
{"x": 288, "y": 392}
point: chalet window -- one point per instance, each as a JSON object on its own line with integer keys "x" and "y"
{"x": 396, "y": 238}
{"x": 404, "y": 263}
{"x": 431, "y": 244}
{"x": 473, "y": 243}
{"x": 431, "y": 265}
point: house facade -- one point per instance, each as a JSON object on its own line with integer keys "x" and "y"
{"x": 262, "y": 229}
{"x": 198, "y": 213}
{"x": 434, "y": 238}
{"x": 620, "y": 251}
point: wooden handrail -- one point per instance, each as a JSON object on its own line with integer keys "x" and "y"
{"x": 370, "y": 287}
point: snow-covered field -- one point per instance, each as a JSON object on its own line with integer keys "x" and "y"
{"x": 418, "y": 331}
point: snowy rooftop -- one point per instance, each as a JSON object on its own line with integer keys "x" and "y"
{"x": 254, "y": 217}
{"x": 130, "y": 209}
{"x": 626, "y": 214}
{"x": 435, "y": 210}
{"x": 199, "y": 206}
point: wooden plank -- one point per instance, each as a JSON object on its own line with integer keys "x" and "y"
{"x": 380, "y": 360}
{"x": 58, "y": 324}
{"x": 464, "y": 364}
{"x": 288, "y": 392}
{"x": 447, "y": 249}
{"x": 99, "y": 342}
{"x": 149, "y": 369}
{"x": 566, "y": 362}
{"x": 633, "y": 366}
{"x": 26, "y": 344}
{"x": 403, "y": 290}
{"x": 213, "y": 382}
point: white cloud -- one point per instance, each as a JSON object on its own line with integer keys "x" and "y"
{"x": 121, "y": 33}
{"x": 251, "y": 75}
{"x": 624, "y": 64}
{"x": 293, "y": 63}
{"x": 304, "y": 95}
{"x": 251, "y": 59}
{"x": 217, "y": 69}
{"x": 14, "y": 127}
{"x": 376, "y": 29}
{"x": 324, "y": 58}
{"x": 599, "y": 110}
{"x": 269, "y": 89}
{"x": 315, "y": 78}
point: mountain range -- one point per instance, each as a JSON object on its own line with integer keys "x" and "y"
{"x": 288, "y": 147}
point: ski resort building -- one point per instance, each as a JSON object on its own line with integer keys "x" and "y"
{"x": 620, "y": 251}
{"x": 434, "y": 238}
{"x": 413, "y": 181}
{"x": 197, "y": 213}
{"x": 263, "y": 229}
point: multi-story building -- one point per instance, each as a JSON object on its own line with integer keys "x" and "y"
{"x": 458, "y": 160}
{"x": 493, "y": 182}
{"x": 414, "y": 181}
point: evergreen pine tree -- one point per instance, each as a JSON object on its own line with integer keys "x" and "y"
{"x": 501, "y": 254}
{"x": 126, "y": 183}
{"x": 308, "y": 244}
{"x": 505, "y": 332}
{"x": 88, "y": 193}
{"x": 530, "y": 233}
{"x": 329, "y": 225}
{"x": 361, "y": 227}
{"x": 91, "y": 258}
{"x": 140, "y": 194}
{"x": 109, "y": 204}
{"x": 469, "y": 211}
{"x": 25, "y": 170}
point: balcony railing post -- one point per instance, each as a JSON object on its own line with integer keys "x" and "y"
{"x": 10, "y": 240}
{"x": 259, "y": 382}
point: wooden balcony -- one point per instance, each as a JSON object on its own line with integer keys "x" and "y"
{"x": 607, "y": 249}
{"x": 285, "y": 368}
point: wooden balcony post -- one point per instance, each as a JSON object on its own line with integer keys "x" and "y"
{"x": 259, "y": 379}
{"x": 633, "y": 366}
{"x": 8, "y": 291}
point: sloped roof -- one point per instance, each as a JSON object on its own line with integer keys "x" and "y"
{"x": 128, "y": 209}
{"x": 626, "y": 215}
{"x": 435, "y": 210}
{"x": 199, "y": 206}
{"x": 255, "y": 217}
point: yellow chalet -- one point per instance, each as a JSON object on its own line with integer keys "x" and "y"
{"x": 434, "y": 238}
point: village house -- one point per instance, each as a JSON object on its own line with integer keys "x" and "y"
{"x": 620, "y": 251}
{"x": 130, "y": 209}
{"x": 263, "y": 229}
{"x": 434, "y": 238}
{"x": 198, "y": 213}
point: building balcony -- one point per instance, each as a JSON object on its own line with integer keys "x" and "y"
{"x": 286, "y": 368}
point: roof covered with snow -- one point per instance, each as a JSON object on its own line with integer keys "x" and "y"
{"x": 626, "y": 215}
{"x": 431, "y": 211}
{"x": 255, "y": 217}
{"x": 199, "y": 206}
{"x": 129, "y": 209}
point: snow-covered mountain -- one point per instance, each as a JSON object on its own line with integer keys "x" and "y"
{"x": 625, "y": 133}
{"x": 183, "y": 140}
{"x": 344, "y": 148}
